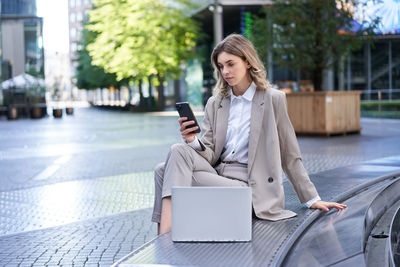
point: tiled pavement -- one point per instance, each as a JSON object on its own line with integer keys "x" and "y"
{"x": 77, "y": 191}
{"x": 95, "y": 242}
{"x": 66, "y": 202}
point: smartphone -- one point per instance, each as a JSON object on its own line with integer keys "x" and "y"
{"x": 184, "y": 110}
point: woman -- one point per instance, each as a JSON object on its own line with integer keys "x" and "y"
{"x": 246, "y": 140}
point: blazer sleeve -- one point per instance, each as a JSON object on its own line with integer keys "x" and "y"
{"x": 290, "y": 154}
{"x": 207, "y": 132}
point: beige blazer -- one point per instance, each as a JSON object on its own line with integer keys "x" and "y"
{"x": 272, "y": 146}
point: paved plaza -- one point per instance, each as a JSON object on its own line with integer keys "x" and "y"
{"x": 79, "y": 190}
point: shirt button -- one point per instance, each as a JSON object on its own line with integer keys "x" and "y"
{"x": 270, "y": 179}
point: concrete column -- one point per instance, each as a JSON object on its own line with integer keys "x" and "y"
{"x": 328, "y": 79}
{"x": 218, "y": 26}
{"x": 14, "y": 45}
{"x": 270, "y": 73}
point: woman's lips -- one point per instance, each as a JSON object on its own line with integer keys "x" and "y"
{"x": 228, "y": 78}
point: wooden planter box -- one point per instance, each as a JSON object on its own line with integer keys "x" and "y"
{"x": 326, "y": 113}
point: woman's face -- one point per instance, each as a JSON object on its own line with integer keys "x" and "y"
{"x": 234, "y": 70}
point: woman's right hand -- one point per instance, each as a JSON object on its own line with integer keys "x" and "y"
{"x": 186, "y": 132}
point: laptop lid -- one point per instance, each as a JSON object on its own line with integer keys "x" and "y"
{"x": 211, "y": 214}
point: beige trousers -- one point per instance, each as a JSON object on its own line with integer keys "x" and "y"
{"x": 185, "y": 167}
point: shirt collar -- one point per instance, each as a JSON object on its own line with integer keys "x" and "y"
{"x": 248, "y": 95}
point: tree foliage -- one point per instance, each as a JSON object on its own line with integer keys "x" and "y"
{"x": 89, "y": 76}
{"x": 141, "y": 38}
{"x": 310, "y": 35}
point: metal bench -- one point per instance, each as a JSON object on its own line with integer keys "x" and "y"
{"x": 277, "y": 243}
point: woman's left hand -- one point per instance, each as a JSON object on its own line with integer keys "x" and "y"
{"x": 323, "y": 205}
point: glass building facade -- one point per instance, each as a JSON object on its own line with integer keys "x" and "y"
{"x": 34, "y": 57}
{"x": 21, "y": 25}
{"x": 374, "y": 69}
{"x": 19, "y": 7}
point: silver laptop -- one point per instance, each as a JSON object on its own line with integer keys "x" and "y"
{"x": 210, "y": 214}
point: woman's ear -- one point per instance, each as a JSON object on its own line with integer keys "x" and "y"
{"x": 248, "y": 64}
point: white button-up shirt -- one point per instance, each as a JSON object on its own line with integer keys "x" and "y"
{"x": 237, "y": 136}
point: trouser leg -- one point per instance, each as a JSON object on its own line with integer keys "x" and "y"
{"x": 158, "y": 184}
{"x": 176, "y": 171}
{"x": 185, "y": 167}
{"x": 180, "y": 166}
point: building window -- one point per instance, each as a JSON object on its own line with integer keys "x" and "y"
{"x": 73, "y": 47}
{"x": 73, "y": 32}
{"x": 88, "y": 3}
{"x": 379, "y": 65}
{"x": 72, "y": 17}
{"x": 79, "y": 17}
{"x": 33, "y": 47}
{"x": 18, "y": 7}
{"x": 396, "y": 67}
{"x": 72, "y": 3}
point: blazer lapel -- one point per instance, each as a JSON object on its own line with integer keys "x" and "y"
{"x": 257, "y": 114}
{"x": 222, "y": 125}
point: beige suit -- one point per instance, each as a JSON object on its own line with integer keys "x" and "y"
{"x": 272, "y": 146}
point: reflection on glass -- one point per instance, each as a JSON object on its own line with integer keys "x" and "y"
{"x": 379, "y": 65}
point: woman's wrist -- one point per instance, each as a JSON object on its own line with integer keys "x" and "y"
{"x": 189, "y": 140}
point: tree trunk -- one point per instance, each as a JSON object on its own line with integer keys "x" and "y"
{"x": 141, "y": 99}
{"x": 150, "y": 91}
{"x": 129, "y": 93}
{"x": 161, "y": 97}
{"x": 151, "y": 97}
{"x": 317, "y": 79}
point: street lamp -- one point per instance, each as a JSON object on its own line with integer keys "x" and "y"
{"x": 217, "y": 9}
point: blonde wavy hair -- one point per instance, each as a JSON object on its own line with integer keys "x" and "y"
{"x": 240, "y": 46}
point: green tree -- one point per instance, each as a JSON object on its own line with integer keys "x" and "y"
{"x": 310, "y": 35}
{"x": 142, "y": 38}
{"x": 89, "y": 76}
